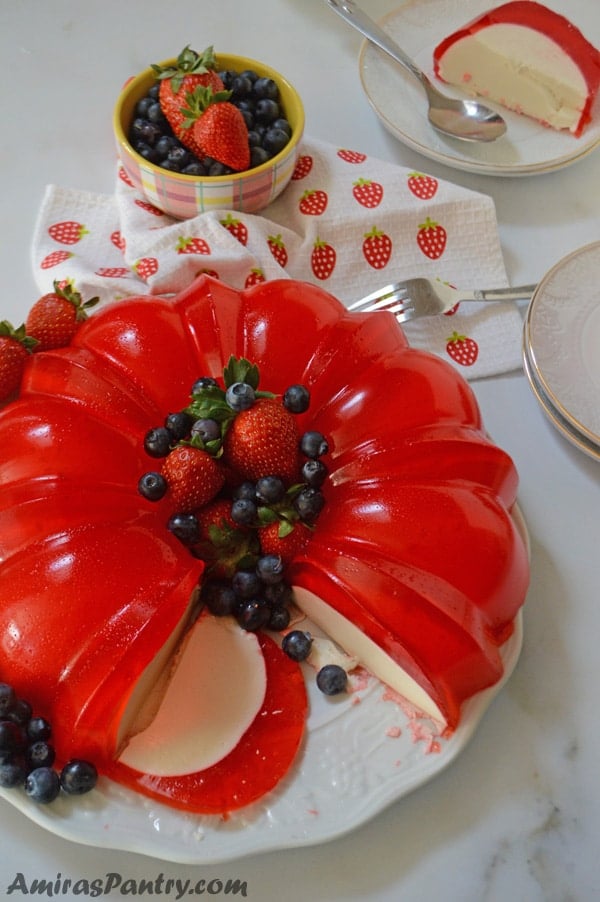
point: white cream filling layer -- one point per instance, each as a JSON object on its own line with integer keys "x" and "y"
{"x": 215, "y": 690}
{"x": 521, "y": 69}
{"x": 371, "y": 656}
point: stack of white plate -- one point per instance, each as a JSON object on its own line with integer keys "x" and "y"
{"x": 561, "y": 347}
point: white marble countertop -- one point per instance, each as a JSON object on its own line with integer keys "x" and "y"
{"x": 517, "y": 815}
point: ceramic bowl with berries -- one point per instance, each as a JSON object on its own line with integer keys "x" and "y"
{"x": 208, "y": 131}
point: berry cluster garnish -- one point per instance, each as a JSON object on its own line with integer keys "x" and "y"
{"x": 198, "y": 121}
{"x": 27, "y": 757}
{"x": 246, "y": 489}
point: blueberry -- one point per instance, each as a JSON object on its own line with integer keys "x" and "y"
{"x": 152, "y": 486}
{"x": 278, "y": 594}
{"x": 284, "y": 125}
{"x": 78, "y": 776}
{"x": 296, "y": 399}
{"x": 240, "y": 396}
{"x": 258, "y": 156}
{"x": 241, "y": 86}
{"x": 157, "y": 442}
{"x": 266, "y": 88}
{"x": 8, "y": 699}
{"x": 270, "y": 489}
{"x": 246, "y": 584}
{"x": 179, "y": 424}
{"x": 219, "y": 598}
{"x": 143, "y": 105}
{"x": 243, "y": 512}
{"x": 267, "y": 111}
{"x": 12, "y": 773}
{"x": 38, "y": 728}
{"x": 194, "y": 168}
{"x": 206, "y": 429}
{"x": 42, "y": 785}
{"x": 251, "y": 75}
{"x": 270, "y": 568}
{"x": 216, "y": 169}
{"x": 164, "y": 144}
{"x": 309, "y": 503}
{"x": 202, "y": 384}
{"x": 275, "y": 140}
{"x": 185, "y": 527}
{"x": 245, "y": 490}
{"x": 12, "y": 737}
{"x": 332, "y": 679}
{"x": 254, "y": 138}
{"x": 314, "y": 472}
{"x": 40, "y": 754}
{"x": 313, "y": 444}
{"x": 253, "y": 614}
{"x": 297, "y": 645}
{"x": 21, "y": 712}
{"x": 154, "y": 113}
{"x": 279, "y": 619}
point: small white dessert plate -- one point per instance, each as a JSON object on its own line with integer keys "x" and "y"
{"x": 528, "y": 148}
{"x": 561, "y": 342}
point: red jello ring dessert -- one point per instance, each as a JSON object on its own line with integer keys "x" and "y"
{"x": 414, "y": 565}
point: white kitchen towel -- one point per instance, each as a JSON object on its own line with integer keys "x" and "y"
{"x": 347, "y": 222}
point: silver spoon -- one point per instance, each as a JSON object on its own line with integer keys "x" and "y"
{"x": 464, "y": 119}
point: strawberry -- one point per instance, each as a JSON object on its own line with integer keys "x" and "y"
{"x": 278, "y": 249}
{"x": 303, "y": 166}
{"x": 254, "y": 277}
{"x": 67, "y": 232}
{"x": 367, "y": 193}
{"x": 148, "y": 207}
{"x": 215, "y": 128}
{"x": 54, "y": 259}
{"x": 146, "y": 267}
{"x": 422, "y": 186}
{"x": 322, "y": 259}
{"x": 284, "y": 539}
{"x": 15, "y": 347}
{"x": 192, "y": 246}
{"x": 377, "y": 248}
{"x": 113, "y": 272}
{"x": 191, "y": 70}
{"x": 351, "y": 156}
{"x": 55, "y": 317}
{"x": 124, "y": 176}
{"x": 224, "y": 545}
{"x": 313, "y": 203}
{"x": 431, "y": 239}
{"x": 263, "y": 441}
{"x": 236, "y": 227}
{"x": 462, "y": 349}
{"x": 118, "y": 240}
{"x": 193, "y": 476}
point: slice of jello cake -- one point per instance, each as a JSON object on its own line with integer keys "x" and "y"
{"x": 527, "y": 58}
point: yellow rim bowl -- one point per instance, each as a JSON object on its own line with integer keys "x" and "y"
{"x": 185, "y": 196}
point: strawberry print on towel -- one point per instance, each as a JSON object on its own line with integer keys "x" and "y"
{"x": 346, "y": 221}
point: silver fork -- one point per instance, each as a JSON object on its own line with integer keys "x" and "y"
{"x": 425, "y": 297}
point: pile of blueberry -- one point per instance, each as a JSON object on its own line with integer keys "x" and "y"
{"x": 27, "y": 756}
{"x": 255, "y": 96}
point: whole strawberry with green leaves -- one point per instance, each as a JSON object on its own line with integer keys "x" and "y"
{"x": 15, "y": 348}
{"x": 191, "y": 69}
{"x": 55, "y": 318}
{"x": 214, "y": 127}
